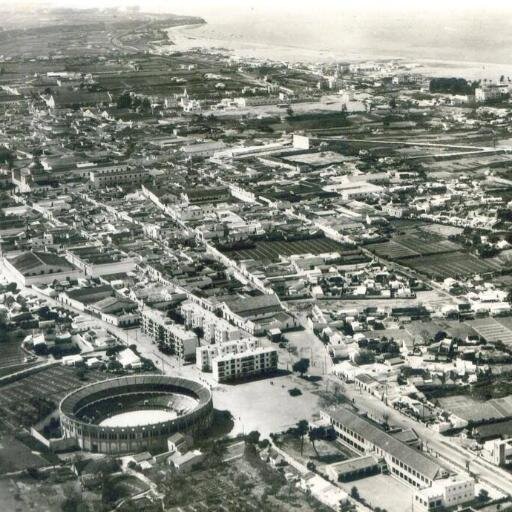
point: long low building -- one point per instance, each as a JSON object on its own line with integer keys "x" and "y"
{"x": 404, "y": 462}
{"x": 39, "y": 267}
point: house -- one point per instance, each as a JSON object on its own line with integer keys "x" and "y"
{"x": 186, "y": 461}
{"x": 143, "y": 460}
{"x": 323, "y": 490}
{"x": 117, "y": 311}
{"x": 178, "y": 442}
{"x": 129, "y": 359}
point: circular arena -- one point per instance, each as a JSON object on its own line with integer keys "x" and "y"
{"x": 134, "y": 413}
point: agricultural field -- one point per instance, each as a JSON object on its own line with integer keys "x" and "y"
{"x": 26, "y": 401}
{"x": 421, "y": 243}
{"x": 392, "y": 250}
{"x": 455, "y": 264}
{"x": 492, "y": 330}
{"x": 426, "y": 243}
{"x": 11, "y": 354}
{"x": 269, "y": 251}
{"x": 471, "y": 409}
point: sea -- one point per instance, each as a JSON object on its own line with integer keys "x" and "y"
{"x": 462, "y": 44}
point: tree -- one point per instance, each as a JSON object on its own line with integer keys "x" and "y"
{"x": 253, "y": 437}
{"x": 301, "y": 366}
{"x": 124, "y": 101}
{"x": 483, "y": 496}
{"x": 301, "y": 430}
{"x": 354, "y": 493}
{"x": 316, "y": 434}
{"x": 364, "y": 357}
{"x": 439, "y": 336}
{"x": 4, "y": 317}
{"x": 146, "y": 105}
{"x": 109, "y": 492}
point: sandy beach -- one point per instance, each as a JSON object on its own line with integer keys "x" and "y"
{"x": 205, "y": 36}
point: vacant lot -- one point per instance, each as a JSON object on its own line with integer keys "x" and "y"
{"x": 246, "y": 484}
{"x": 383, "y": 491}
{"x": 317, "y": 159}
{"x": 269, "y": 251}
{"x": 265, "y": 405}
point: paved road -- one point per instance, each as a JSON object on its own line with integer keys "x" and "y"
{"x": 489, "y": 149}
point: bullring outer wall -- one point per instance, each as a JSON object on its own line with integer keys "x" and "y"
{"x": 117, "y": 440}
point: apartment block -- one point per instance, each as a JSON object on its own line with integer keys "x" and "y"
{"x": 164, "y": 331}
{"x": 206, "y": 354}
{"x": 215, "y": 329}
{"x": 245, "y": 365}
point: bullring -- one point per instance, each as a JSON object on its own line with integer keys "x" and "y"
{"x": 134, "y": 413}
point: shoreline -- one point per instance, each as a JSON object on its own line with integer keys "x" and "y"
{"x": 471, "y": 70}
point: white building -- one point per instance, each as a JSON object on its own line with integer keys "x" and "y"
{"x": 244, "y": 365}
{"x": 164, "y": 331}
{"x": 215, "y": 329}
{"x": 206, "y": 354}
{"x": 404, "y": 462}
{"x": 498, "y": 452}
{"x": 445, "y": 493}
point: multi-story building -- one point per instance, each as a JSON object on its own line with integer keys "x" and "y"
{"x": 443, "y": 494}
{"x": 215, "y": 329}
{"x": 403, "y": 462}
{"x": 490, "y": 92}
{"x": 207, "y": 353}
{"x": 108, "y": 176}
{"x": 255, "y": 314}
{"x": 164, "y": 331}
{"x": 498, "y": 452}
{"x": 245, "y": 365}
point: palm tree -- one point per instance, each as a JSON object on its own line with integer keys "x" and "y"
{"x": 315, "y": 434}
{"x": 301, "y": 430}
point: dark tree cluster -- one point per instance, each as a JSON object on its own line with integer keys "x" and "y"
{"x": 452, "y": 86}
